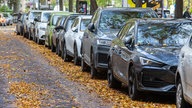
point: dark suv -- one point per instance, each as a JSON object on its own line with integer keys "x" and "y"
{"x": 103, "y": 28}
{"x": 144, "y": 55}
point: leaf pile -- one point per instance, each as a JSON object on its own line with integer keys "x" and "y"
{"x": 119, "y": 98}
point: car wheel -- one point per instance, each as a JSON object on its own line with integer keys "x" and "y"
{"x": 76, "y": 60}
{"x": 180, "y": 101}
{"x": 132, "y": 89}
{"x": 84, "y": 66}
{"x": 52, "y": 47}
{"x": 66, "y": 57}
{"x": 112, "y": 82}
{"x": 93, "y": 70}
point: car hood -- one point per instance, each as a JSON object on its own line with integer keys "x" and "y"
{"x": 109, "y": 35}
{"x": 167, "y": 55}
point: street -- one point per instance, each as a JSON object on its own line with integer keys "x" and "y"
{"x": 32, "y": 76}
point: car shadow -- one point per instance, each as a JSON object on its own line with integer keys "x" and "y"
{"x": 152, "y": 97}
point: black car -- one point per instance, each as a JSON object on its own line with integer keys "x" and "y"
{"x": 66, "y": 25}
{"x": 144, "y": 55}
{"x": 103, "y": 28}
{"x": 20, "y": 24}
{"x": 56, "y": 32}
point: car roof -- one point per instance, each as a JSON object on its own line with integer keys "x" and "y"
{"x": 137, "y": 9}
{"x": 159, "y": 20}
{"x": 85, "y": 16}
{"x": 61, "y": 13}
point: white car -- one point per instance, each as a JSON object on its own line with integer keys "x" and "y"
{"x": 41, "y": 25}
{"x": 72, "y": 38}
{"x": 184, "y": 77}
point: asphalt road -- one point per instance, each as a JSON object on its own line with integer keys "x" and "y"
{"x": 27, "y": 79}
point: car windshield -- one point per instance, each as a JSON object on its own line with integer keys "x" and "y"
{"x": 163, "y": 34}
{"x": 45, "y": 17}
{"x": 84, "y": 24}
{"x": 34, "y": 15}
{"x": 55, "y": 18}
{"x": 111, "y": 20}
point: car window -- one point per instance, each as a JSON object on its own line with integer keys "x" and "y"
{"x": 190, "y": 43}
{"x": 84, "y": 24}
{"x": 58, "y": 21}
{"x": 55, "y": 18}
{"x": 75, "y": 23}
{"x": 163, "y": 34}
{"x": 114, "y": 20}
{"x": 70, "y": 22}
{"x": 33, "y": 15}
{"x": 45, "y": 17}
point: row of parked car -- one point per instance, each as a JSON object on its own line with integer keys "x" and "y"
{"x": 6, "y": 19}
{"x": 132, "y": 45}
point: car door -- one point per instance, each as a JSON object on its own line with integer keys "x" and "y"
{"x": 125, "y": 52}
{"x": 89, "y": 36}
{"x": 187, "y": 67}
{"x": 71, "y": 36}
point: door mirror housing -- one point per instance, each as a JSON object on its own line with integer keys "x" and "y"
{"x": 91, "y": 27}
{"x": 74, "y": 29}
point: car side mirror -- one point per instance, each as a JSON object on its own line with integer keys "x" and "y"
{"x": 58, "y": 28}
{"x": 74, "y": 29}
{"x": 35, "y": 19}
{"x": 91, "y": 27}
{"x": 48, "y": 23}
{"x": 128, "y": 41}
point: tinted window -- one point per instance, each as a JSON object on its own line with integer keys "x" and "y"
{"x": 163, "y": 34}
{"x": 84, "y": 24}
{"x": 116, "y": 19}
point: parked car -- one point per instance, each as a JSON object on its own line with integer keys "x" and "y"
{"x": 31, "y": 26}
{"x": 103, "y": 28}
{"x": 51, "y": 25}
{"x": 64, "y": 28}
{"x": 144, "y": 55}
{"x": 73, "y": 37}
{"x": 57, "y": 29}
{"x": 9, "y": 18}
{"x": 184, "y": 74}
{"x": 41, "y": 23}
{"x": 28, "y": 21}
{"x": 2, "y": 20}
{"x": 20, "y": 24}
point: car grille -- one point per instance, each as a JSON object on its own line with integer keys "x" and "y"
{"x": 173, "y": 68}
{"x": 148, "y": 80}
{"x": 102, "y": 58}
{"x": 106, "y": 49}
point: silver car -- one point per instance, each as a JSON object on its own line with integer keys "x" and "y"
{"x": 184, "y": 76}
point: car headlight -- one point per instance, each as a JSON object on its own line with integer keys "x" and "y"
{"x": 149, "y": 62}
{"x": 104, "y": 42}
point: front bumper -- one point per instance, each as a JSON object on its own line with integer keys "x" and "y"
{"x": 101, "y": 54}
{"x": 157, "y": 79}
{"x": 41, "y": 34}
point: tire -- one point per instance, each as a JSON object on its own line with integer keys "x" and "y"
{"x": 112, "y": 82}
{"x": 76, "y": 59}
{"x": 180, "y": 101}
{"x": 132, "y": 87}
{"x": 93, "y": 70}
{"x": 66, "y": 57}
{"x": 84, "y": 66}
{"x": 52, "y": 47}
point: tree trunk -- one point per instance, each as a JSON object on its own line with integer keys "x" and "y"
{"x": 179, "y": 9}
{"x": 70, "y": 5}
{"x": 16, "y": 6}
{"x": 77, "y": 6}
{"x": 61, "y": 5}
{"x": 93, "y": 6}
{"x": 138, "y": 3}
